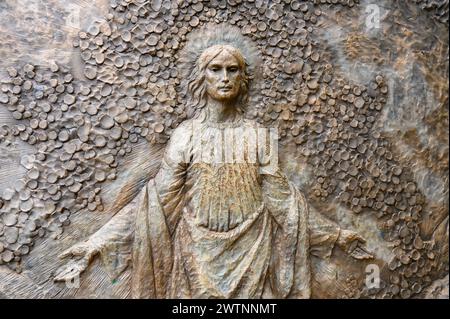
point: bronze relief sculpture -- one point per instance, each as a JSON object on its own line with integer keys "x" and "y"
{"x": 218, "y": 228}
{"x": 223, "y": 149}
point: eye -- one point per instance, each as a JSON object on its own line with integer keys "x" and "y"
{"x": 233, "y": 69}
{"x": 214, "y": 68}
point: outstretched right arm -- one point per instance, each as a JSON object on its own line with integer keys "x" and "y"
{"x": 118, "y": 232}
{"x": 113, "y": 239}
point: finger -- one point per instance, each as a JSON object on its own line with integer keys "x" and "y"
{"x": 360, "y": 253}
{"x": 364, "y": 249}
{"x": 356, "y": 253}
{"x": 66, "y": 253}
{"x": 59, "y": 278}
{"x": 63, "y": 274}
{"x": 360, "y": 239}
{"x": 67, "y": 277}
{"x": 79, "y": 251}
{"x": 365, "y": 256}
{"x": 71, "y": 272}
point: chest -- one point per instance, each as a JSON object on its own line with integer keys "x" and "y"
{"x": 242, "y": 147}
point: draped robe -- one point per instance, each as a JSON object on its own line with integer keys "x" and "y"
{"x": 215, "y": 230}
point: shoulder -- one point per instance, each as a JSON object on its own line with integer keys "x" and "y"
{"x": 178, "y": 145}
{"x": 183, "y": 132}
{"x": 253, "y": 123}
{"x": 259, "y": 127}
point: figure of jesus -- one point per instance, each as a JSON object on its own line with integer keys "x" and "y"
{"x": 222, "y": 227}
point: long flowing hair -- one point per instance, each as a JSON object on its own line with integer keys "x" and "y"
{"x": 201, "y": 48}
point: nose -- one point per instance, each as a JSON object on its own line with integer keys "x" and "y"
{"x": 225, "y": 77}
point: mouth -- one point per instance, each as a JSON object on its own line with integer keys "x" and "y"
{"x": 225, "y": 88}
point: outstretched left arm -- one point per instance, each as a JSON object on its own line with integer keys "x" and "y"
{"x": 324, "y": 234}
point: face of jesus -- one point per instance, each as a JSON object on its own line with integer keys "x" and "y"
{"x": 223, "y": 77}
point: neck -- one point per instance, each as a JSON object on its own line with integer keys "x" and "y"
{"x": 221, "y": 112}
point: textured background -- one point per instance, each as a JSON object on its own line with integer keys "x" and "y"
{"x": 90, "y": 93}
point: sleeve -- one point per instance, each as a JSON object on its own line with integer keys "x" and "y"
{"x": 278, "y": 195}
{"x": 158, "y": 213}
{"x": 170, "y": 179}
{"x": 115, "y": 238}
{"x": 323, "y": 234}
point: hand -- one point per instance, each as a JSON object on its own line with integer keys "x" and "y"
{"x": 353, "y": 244}
{"x": 85, "y": 252}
